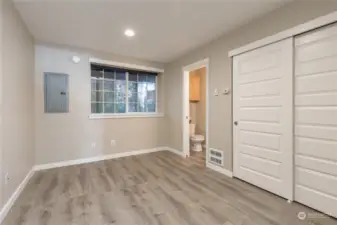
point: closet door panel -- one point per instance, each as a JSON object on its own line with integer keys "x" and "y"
{"x": 316, "y": 119}
{"x": 263, "y": 102}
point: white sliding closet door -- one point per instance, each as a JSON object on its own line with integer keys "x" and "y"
{"x": 263, "y": 109}
{"x": 316, "y": 119}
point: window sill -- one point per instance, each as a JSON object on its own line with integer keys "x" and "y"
{"x": 125, "y": 115}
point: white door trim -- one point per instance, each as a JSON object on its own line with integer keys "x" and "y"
{"x": 302, "y": 28}
{"x": 186, "y": 99}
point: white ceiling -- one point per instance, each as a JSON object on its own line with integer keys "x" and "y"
{"x": 165, "y": 29}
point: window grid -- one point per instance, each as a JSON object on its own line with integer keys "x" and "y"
{"x": 103, "y": 82}
{"x": 135, "y": 93}
{"x": 127, "y": 92}
{"x": 115, "y": 102}
{"x": 146, "y": 84}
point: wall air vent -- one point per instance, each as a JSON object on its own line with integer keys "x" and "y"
{"x": 216, "y": 157}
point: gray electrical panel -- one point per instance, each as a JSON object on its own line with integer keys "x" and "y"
{"x": 56, "y": 93}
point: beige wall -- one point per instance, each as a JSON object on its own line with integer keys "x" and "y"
{"x": 17, "y": 99}
{"x": 69, "y": 136}
{"x": 220, "y": 118}
{"x": 198, "y": 109}
{"x": 1, "y": 72}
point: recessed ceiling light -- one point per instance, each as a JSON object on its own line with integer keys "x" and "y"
{"x": 129, "y": 33}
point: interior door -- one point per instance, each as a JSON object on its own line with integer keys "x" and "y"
{"x": 316, "y": 119}
{"x": 262, "y": 111}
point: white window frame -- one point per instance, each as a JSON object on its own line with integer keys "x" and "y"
{"x": 126, "y": 114}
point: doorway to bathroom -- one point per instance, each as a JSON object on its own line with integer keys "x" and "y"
{"x": 195, "y": 110}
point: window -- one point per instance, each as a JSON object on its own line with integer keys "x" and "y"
{"x": 118, "y": 91}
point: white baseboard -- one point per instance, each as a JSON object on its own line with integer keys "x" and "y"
{"x": 219, "y": 169}
{"x": 95, "y": 159}
{"x": 7, "y": 207}
{"x": 175, "y": 151}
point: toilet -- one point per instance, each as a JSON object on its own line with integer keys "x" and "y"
{"x": 196, "y": 139}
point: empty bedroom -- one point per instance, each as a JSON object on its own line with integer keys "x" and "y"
{"x": 168, "y": 112}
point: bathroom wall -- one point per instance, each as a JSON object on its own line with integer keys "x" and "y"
{"x": 198, "y": 109}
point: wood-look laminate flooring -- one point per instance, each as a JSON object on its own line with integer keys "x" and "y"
{"x": 153, "y": 189}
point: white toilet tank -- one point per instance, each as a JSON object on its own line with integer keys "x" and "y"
{"x": 192, "y": 129}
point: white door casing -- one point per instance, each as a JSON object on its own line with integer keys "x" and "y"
{"x": 186, "y": 106}
{"x": 263, "y": 108}
{"x": 186, "y": 113}
{"x": 316, "y": 119}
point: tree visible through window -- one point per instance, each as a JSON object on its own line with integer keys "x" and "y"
{"x": 115, "y": 90}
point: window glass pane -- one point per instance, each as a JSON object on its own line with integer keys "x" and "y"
{"x": 151, "y": 93}
{"x": 151, "y": 107}
{"x": 96, "y": 73}
{"x": 120, "y": 85}
{"x": 120, "y": 76}
{"x": 108, "y": 107}
{"x": 133, "y": 77}
{"x": 109, "y": 74}
{"x": 93, "y": 84}
{"x": 96, "y": 107}
{"x": 142, "y": 87}
{"x": 120, "y": 97}
{"x": 133, "y": 107}
{"x": 109, "y": 96}
{"x": 93, "y": 96}
{"x": 109, "y": 85}
{"x": 133, "y": 96}
{"x": 133, "y": 86}
{"x": 151, "y": 86}
{"x": 99, "y": 84}
{"x": 142, "y": 78}
{"x": 151, "y": 79}
{"x": 120, "y": 107}
{"x": 151, "y": 97}
{"x": 141, "y": 107}
{"x": 142, "y": 97}
{"x": 97, "y": 96}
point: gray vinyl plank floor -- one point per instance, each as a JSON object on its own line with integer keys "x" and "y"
{"x": 153, "y": 189}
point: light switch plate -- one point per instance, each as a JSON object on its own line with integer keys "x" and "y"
{"x": 225, "y": 91}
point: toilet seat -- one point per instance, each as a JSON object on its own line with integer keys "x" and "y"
{"x": 198, "y": 137}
